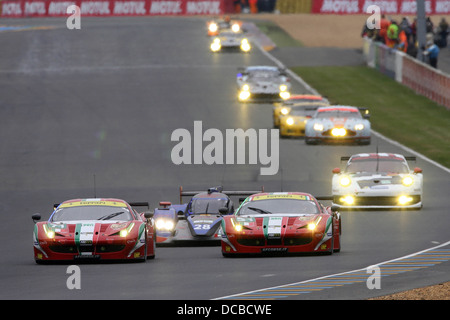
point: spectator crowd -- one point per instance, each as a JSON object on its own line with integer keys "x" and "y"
{"x": 403, "y": 36}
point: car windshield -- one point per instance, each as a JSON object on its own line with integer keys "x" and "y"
{"x": 92, "y": 213}
{"x": 278, "y": 206}
{"x": 338, "y": 113}
{"x": 208, "y": 205}
{"x": 372, "y": 165}
{"x": 263, "y": 74}
{"x": 303, "y": 111}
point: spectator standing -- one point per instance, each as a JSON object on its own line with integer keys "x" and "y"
{"x": 432, "y": 51}
{"x": 442, "y": 33}
{"x": 392, "y": 34}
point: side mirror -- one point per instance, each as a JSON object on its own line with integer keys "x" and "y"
{"x": 334, "y": 208}
{"x": 336, "y": 170}
{"x": 417, "y": 170}
{"x": 36, "y": 217}
{"x": 223, "y": 211}
{"x": 148, "y": 215}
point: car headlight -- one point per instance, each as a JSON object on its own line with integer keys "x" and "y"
{"x": 402, "y": 200}
{"x": 244, "y": 95}
{"x": 312, "y": 225}
{"x": 345, "y": 181}
{"x": 359, "y": 126}
{"x": 235, "y": 27}
{"x": 348, "y": 200}
{"x": 245, "y": 46}
{"x": 284, "y": 111}
{"x": 245, "y": 87}
{"x": 125, "y": 232}
{"x": 407, "y": 181}
{"x": 213, "y": 27}
{"x": 318, "y": 127}
{"x": 338, "y": 132}
{"x": 50, "y": 233}
{"x": 290, "y": 121}
{"x": 285, "y": 95}
{"x": 164, "y": 224}
{"x": 283, "y": 87}
{"x": 215, "y": 45}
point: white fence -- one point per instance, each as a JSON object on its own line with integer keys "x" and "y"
{"x": 420, "y": 77}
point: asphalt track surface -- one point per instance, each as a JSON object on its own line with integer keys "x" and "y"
{"x": 104, "y": 101}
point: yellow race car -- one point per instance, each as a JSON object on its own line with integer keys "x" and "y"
{"x": 306, "y": 100}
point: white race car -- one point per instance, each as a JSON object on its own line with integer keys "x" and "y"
{"x": 377, "y": 180}
{"x": 263, "y": 83}
{"x": 228, "y": 39}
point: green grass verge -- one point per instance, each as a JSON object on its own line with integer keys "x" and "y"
{"x": 396, "y": 111}
{"x": 280, "y": 37}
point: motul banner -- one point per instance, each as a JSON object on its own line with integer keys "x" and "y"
{"x": 52, "y": 8}
{"x": 402, "y": 7}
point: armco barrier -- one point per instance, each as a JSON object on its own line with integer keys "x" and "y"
{"x": 420, "y": 77}
{"x": 53, "y": 8}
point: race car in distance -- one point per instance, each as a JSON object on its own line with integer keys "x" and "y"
{"x": 94, "y": 229}
{"x": 341, "y": 124}
{"x": 215, "y": 26}
{"x": 281, "y": 222}
{"x": 263, "y": 83}
{"x": 377, "y": 180}
{"x": 195, "y": 222}
{"x": 228, "y": 39}
{"x": 281, "y": 109}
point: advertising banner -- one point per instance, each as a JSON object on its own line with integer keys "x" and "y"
{"x": 54, "y": 8}
{"x": 401, "y": 7}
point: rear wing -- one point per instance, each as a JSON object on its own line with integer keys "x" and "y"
{"x": 217, "y": 189}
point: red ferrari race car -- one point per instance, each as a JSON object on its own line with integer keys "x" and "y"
{"x": 282, "y": 222}
{"x": 94, "y": 229}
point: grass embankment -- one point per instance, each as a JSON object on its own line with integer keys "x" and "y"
{"x": 280, "y": 37}
{"x": 396, "y": 111}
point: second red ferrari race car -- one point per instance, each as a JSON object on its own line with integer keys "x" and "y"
{"x": 94, "y": 229}
{"x": 281, "y": 222}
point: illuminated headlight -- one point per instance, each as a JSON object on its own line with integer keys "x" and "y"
{"x": 290, "y": 121}
{"x": 348, "y": 200}
{"x": 162, "y": 224}
{"x": 402, "y": 200}
{"x": 238, "y": 227}
{"x": 245, "y": 46}
{"x": 338, "y": 132}
{"x": 285, "y": 95}
{"x": 345, "y": 181}
{"x": 125, "y": 232}
{"x": 407, "y": 181}
{"x": 283, "y": 87}
{"x": 244, "y": 95}
{"x": 235, "y": 27}
{"x": 50, "y": 233}
{"x": 245, "y": 87}
{"x": 359, "y": 126}
{"x": 284, "y": 111}
{"x": 215, "y": 46}
{"x": 318, "y": 127}
{"x": 312, "y": 225}
{"x": 213, "y": 27}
